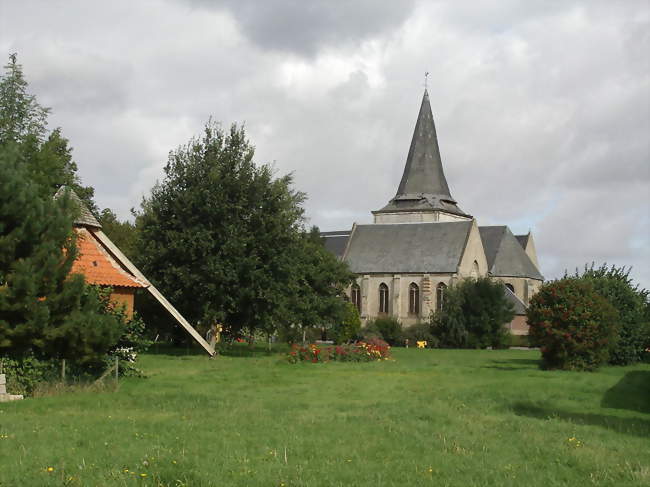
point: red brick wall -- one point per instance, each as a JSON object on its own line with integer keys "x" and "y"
{"x": 124, "y": 295}
{"x": 519, "y": 326}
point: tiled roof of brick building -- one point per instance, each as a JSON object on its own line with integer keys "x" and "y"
{"x": 97, "y": 265}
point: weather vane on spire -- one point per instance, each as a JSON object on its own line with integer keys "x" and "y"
{"x": 426, "y": 80}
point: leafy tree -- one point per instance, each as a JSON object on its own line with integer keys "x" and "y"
{"x": 23, "y": 121}
{"x": 573, "y": 324}
{"x": 21, "y": 116}
{"x": 473, "y": 315}
{"x": 349, "y": 326}
{"x": 615, "y": 285}
{"x": 43, "y": 310}
{"x": 316, "y": 288}
{"x": 218, "y": 233}
{"x": 448, "y": 324}
{"x": 122, "y": 233}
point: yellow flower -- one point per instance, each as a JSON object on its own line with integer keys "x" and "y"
{"x": 50, "y": 469}
{"x": 143, "y": 475}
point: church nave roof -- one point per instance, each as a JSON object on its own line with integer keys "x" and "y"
{"x": 407, "y": 247}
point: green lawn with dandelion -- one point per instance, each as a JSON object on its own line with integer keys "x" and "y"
{"x": 430, "y": 417}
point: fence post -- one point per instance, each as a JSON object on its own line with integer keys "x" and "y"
{"x": 62, "y": 370}
{"x": 117, "y": 369}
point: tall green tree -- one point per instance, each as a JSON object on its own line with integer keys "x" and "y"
{"x": 43, "y": 309}
{"x": 216, "y": 234}
{"x": 23, "y": 121}
{"x": 473, "y": 315}
{"x": 317, "y": 288}
{"x": 21, "y": 116}
{"x": 631, "y": 302}
{"x": 122, "y": 233}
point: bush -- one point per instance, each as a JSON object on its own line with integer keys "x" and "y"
{"x": 388, "y": 328}
{"x": 420, "y": 332}
{"x": 473, "y": 315}
{"x": 358, "y": 352}
{"x": 615, "y": 285}
{"x": 25, "y": 374}
{"x": 574, "y": 326}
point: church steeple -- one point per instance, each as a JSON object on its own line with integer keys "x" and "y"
{"x": 423, "y": 172}
{"x": 423, "y": 188}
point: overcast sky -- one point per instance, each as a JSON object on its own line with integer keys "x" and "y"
{"x": 542, "y": 107}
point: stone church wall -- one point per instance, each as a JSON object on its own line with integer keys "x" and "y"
{"x": 524, "y": 288}
{"x": 417, "y": 217}
{"x": 398, "y": 297}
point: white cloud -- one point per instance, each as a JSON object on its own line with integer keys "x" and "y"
{"x": 542, "y": 107}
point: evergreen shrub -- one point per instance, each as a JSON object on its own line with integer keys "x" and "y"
{"x": 473, "y": 315}
{"x": 388, "y": 328}
{"x": 420, "y": 332}
{"x": 574, "y": 326}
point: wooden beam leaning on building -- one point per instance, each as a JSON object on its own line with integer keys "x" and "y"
{"x": 101, "y": 236}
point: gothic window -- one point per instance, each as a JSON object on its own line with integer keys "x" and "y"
{"x": 356, "y": 296}
{"x": 511, "y": 287}
{"x": 383, "y": 298}
{"x": 414, "y": 299}
{"x": 474, "y": 272}
{"x": 440, "y": 295}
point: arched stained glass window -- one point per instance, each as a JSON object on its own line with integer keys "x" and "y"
{"x": 355, "y": 295}
{"x": 414, "y": 299}
{"x": 440, "y": 295}
{"x": 383, "y": 298}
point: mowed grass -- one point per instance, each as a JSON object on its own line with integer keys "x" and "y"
{"x": 430, "y": 417}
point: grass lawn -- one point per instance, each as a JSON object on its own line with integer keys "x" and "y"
{"x": 430, "y": 417}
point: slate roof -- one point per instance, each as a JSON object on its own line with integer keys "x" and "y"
{"x": 97, "y": 265}
{"x": 407, "y": 247}
{"x": 523, "y": 240}
{"x": 85, "y": 217}
{"x": 336, "y": 242}
{"x": 505, "y": 255}
{"x": 423, "y": 186}
{"x": 517, "y": 304}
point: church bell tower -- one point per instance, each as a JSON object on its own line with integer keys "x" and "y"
{"x": 423, "y": 193}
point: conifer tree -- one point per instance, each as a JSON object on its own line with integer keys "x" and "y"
{"x": 43, "y": 309}
{"x": 21, "y": 116}
{"x": 23, "y": 121}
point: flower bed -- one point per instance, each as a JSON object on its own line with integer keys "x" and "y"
{"x": 369, "y": 351}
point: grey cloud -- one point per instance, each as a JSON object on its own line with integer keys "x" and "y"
{"x": 542, "y": 108}
{"x": 304, "y": 27}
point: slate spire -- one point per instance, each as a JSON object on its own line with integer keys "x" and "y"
{"x": 423, "y": 172}
{"x": 423, "y": 186}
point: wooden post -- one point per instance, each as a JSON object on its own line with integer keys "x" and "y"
{"x": 117, "y": 369}
{"x": 62, "y": 370}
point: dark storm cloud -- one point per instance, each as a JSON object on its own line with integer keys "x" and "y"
{"x": 304, "y": 27}
{"x": 542, "y": 107}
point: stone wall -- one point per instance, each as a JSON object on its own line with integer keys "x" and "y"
{"x": 418, "y": 217}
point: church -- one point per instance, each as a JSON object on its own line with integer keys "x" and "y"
{"x": 422, "y": 242}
